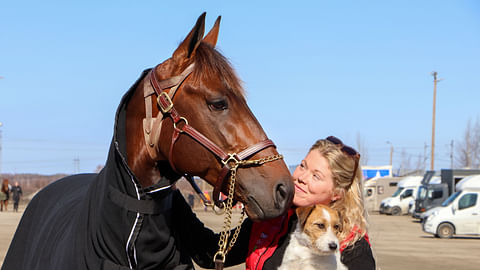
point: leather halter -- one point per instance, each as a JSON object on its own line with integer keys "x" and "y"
{"x": 167, "y": 109}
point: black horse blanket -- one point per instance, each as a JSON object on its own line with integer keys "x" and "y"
{"x": 105, "y": 220}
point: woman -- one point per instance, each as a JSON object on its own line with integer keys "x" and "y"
{"x": 329, "y": 175}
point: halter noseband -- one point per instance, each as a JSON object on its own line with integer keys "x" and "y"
{"x": 164, "y": 101}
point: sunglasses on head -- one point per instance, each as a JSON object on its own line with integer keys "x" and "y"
{"x": 347, "y": 150}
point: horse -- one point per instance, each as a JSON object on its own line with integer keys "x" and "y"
{"x": 5, "y": 194}
{"x": 187, "y": 116}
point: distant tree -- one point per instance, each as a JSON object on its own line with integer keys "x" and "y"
{"x": 362, "y": 149}
{"x": 468, "y": 148}
{"x": 405, "y": 163}
{"x": 420, "y": 163}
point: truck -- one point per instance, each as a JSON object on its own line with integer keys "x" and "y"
{"x": 398, "y": 203}
{"x": 432, "y": 194}
{"x": 377, "y": 189}
{"x": 459, "y": 214}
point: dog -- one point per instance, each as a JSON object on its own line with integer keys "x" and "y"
{"x": 314, "y": 243}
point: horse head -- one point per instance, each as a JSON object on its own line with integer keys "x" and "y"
{"x": 203, "y": 127}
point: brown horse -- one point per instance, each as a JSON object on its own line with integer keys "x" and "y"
{"x": 186, "y": 117}
{"x": 211, "y": 99}
{"x": 5, "y": 195}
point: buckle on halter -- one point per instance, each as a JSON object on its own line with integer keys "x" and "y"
{"x": 231, "y": 157}
{"x": 164, "y": 102}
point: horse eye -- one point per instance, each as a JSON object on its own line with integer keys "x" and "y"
{"x": 218, "y": 105}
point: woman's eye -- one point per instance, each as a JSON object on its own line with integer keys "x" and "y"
{"x": 218, "y": 105}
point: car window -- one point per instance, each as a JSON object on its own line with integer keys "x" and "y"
{"x": 399, "y": 190}
{"x": 408, "y": 193}
{"x": 467, "y": 200}
{"x": 450, "y": 199}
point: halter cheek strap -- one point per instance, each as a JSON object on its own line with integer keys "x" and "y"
{"x": 152, "y": 125}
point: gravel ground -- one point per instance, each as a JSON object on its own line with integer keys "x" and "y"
{"x": 398, "y": 243}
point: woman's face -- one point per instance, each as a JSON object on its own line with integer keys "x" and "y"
{"x": 313, "y": 181}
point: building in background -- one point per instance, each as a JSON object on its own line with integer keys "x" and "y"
{"x": 376, "y": 171}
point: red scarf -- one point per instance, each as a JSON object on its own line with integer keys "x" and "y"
{"x": 351, "y": 236}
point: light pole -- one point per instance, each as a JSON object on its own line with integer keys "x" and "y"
{"x": 391, "y": 152}
{"x": 435, "y": 80}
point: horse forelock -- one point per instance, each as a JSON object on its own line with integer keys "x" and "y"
{"x": 211, "y": 63}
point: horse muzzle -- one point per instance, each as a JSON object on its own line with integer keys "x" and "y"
{"x": 266, "y": 200}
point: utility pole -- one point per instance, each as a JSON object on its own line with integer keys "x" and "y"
{"x": 76, "y": 165}
{"x": 435, "y": 80}
{"x": 391, "y": 153}
{"x": 451, "y": 154}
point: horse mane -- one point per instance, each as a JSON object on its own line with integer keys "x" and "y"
{"x": 211, "y": 63}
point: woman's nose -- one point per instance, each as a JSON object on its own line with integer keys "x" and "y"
{"x": 302, "y": 178}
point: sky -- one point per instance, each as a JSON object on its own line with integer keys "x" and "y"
{"x": 359, "y": 70}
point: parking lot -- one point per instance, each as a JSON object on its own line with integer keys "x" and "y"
{"x": 398, "y": 243}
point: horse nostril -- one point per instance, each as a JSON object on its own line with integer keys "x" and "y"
{"x": 332, "y": 245}
{"x": 281, "y": 196}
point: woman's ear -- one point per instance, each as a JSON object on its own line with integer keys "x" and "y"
{"x": 337, "y": 194}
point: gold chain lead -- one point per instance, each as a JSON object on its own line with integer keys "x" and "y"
{"x": 225, "y": 234}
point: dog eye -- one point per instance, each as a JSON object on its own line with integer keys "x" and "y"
{"x": 321, "y": 226}
{"x": 337, "y": 227}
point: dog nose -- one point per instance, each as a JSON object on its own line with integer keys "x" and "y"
{"x": 332, "y": 245}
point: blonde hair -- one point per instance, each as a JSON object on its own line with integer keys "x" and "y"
{"x": 350, "y": 205}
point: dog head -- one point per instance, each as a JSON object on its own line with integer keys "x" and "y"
{"x": 320, "y": 226}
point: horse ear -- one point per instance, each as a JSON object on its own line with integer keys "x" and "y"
{"x": 212, "y": 36}
{"x": 191, "y": 42}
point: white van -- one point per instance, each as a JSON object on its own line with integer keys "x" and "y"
{"x": 459, "y": 214}
{"x": 398, "y": 203}
{"x": 377, "y": 189}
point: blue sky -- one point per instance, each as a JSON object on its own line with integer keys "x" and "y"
{"x": 310, "y": 69}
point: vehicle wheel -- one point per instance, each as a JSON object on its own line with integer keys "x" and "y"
{"x": 445, "y": 230}
{"x": 396, "y": 211}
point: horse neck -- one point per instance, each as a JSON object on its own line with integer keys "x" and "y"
{"x": 139, "y": 161}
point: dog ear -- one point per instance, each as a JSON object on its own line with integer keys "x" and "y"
{"x": 303, "y": 213}
{"x": 340, "y": 218}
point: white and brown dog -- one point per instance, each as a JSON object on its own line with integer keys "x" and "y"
{"x": 314, "y": 243}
